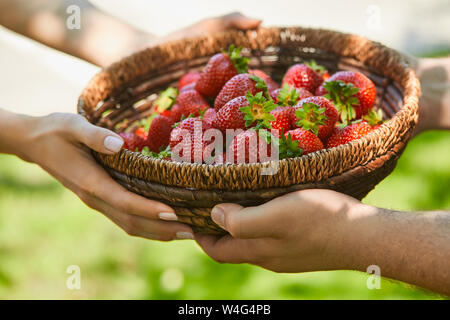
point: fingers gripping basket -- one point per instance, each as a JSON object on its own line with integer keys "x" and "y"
{"x": 124, "y": 92}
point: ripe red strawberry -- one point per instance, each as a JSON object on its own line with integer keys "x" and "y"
{"x": 141, "y": 132}
{"x": 245, "y": 112}
{"x": 302, "y": 76}
{"x": 209, "y": 116}
{"x": 159, "y": 133}
{"x": 307, "y": 140}
{"x": 352, "y": 92}
{"x": 188, "y": 78}
{"x": 289, "y": 96}
{"x": 282, "y": 117}
{"x": 271, "y": 84}
{"x": 132, "y": 141}
{"x": 238, "y": 86}
{"x": 175, "y": 113}
{"x": 319, "y": 69}
{"x": 315, "y": 114}
{"x": 188, "y": 136}
{"x": 352, "y": 132}
{"x": 219, "y": 69}
{"x": 191, "y": 102}
{"x": 230, "y": 116}
{"x": 190, "y": 86}
{"x": 246, "y": 148}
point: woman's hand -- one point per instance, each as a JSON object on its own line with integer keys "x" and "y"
{"x": 60, "y": 143}
{"x": 297, "y": 232}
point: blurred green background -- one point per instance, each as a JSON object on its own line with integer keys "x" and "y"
{"x": 44, "y": 229}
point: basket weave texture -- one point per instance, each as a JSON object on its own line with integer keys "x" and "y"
{"x": 124, "y": 92}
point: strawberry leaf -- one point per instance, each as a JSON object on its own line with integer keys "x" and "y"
{"x": 343, "y": 96}
{"x": 166, "y": 99}
{"x": 239, "y": 62}
{"x": 316, "y": 67}
{"x": 258, "y": 111}
{"x": 288, "y": 148}
{"x": 310, "y": 116}
{"x": 288, "y": 96}
{"x": 374, "y": 117}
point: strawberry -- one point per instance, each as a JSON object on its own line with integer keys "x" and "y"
{"x": 141, "y": 132}
{"x": 289, "y": 96}
{"x": 319, "y": 69}
{"x": 175, "y": 113}
{"x": 159, "y": 133}
{"x": 315, "y": 114}
{"x": 352, "y": 92}
{"x": 188, "y": 78}
{"x": 307, "y": 140}
{"x": 132, "y": 141}
{"x": 282, "y": 117}
{"x": 191, "y": 102}
{"x": 246, "y": 147}
{"x": 219, "y": 69}
{"x": 190, "y": 86}
{"x": 230, "y": 116}
{"x": 209, "y": 116}
{"x": 302, "y": 76}
{"x": 352, "y": 132}
{"x": 194, "y": 143}
{"x": 271, "y": 84}
{"x": 238, "y": 86}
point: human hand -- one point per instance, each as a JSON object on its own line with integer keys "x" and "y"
{"x": 301, "y": 231}
{"x": 60, "y": 143}
{"x": 231, "y": 21}
{"x": 434, "y": 103}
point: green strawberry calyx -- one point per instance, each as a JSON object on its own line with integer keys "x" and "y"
{"x": 343, "y": 96}
{"x": 288, "y": 148}
{"x": 166, "y": 99}
{"x": 310, "y": 116}
{"x": 262, "y": 85}
{"x": 288, "y": 96}
{"x": 317, "y": 67}
{"x": 258, "y": 110}
{"x": 374, "y": 117}
{"x": 165, "y": 153}
{"x": 239, "y": 62}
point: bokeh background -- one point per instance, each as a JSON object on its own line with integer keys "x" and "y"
{"x": 44, "y": 228}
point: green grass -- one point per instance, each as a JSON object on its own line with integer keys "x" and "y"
{"x": 44, "y": 229}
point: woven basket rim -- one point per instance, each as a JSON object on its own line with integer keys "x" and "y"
{"x": 402, "y": 122}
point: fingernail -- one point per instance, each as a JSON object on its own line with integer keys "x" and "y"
{"x": 113, "y": 144}
{"x": 168, "y": 216}
{"x": 218, "y": 216}
{"x": 184, "y": 235}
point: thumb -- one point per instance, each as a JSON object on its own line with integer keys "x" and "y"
{"x": 99, "y": 139}
{"x": 239, "y": 21}
{"x": 244, "y": 223}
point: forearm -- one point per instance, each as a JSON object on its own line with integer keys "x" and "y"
{"x": 434, "y": 105}
{"x": 101, "y": 39}
{"x": 413, "y": 247}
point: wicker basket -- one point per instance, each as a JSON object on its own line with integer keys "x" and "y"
{"x": 124, "y": 92}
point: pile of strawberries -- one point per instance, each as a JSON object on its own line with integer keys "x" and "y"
{"x": 309, "y": 112}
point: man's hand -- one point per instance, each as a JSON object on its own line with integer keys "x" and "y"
{"x": 60, "y": 144}
{"x": 314, "y": 230}
{"x": 294, "y": 233}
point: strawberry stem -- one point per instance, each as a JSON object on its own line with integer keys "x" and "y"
{"x": 239, "y": 62}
